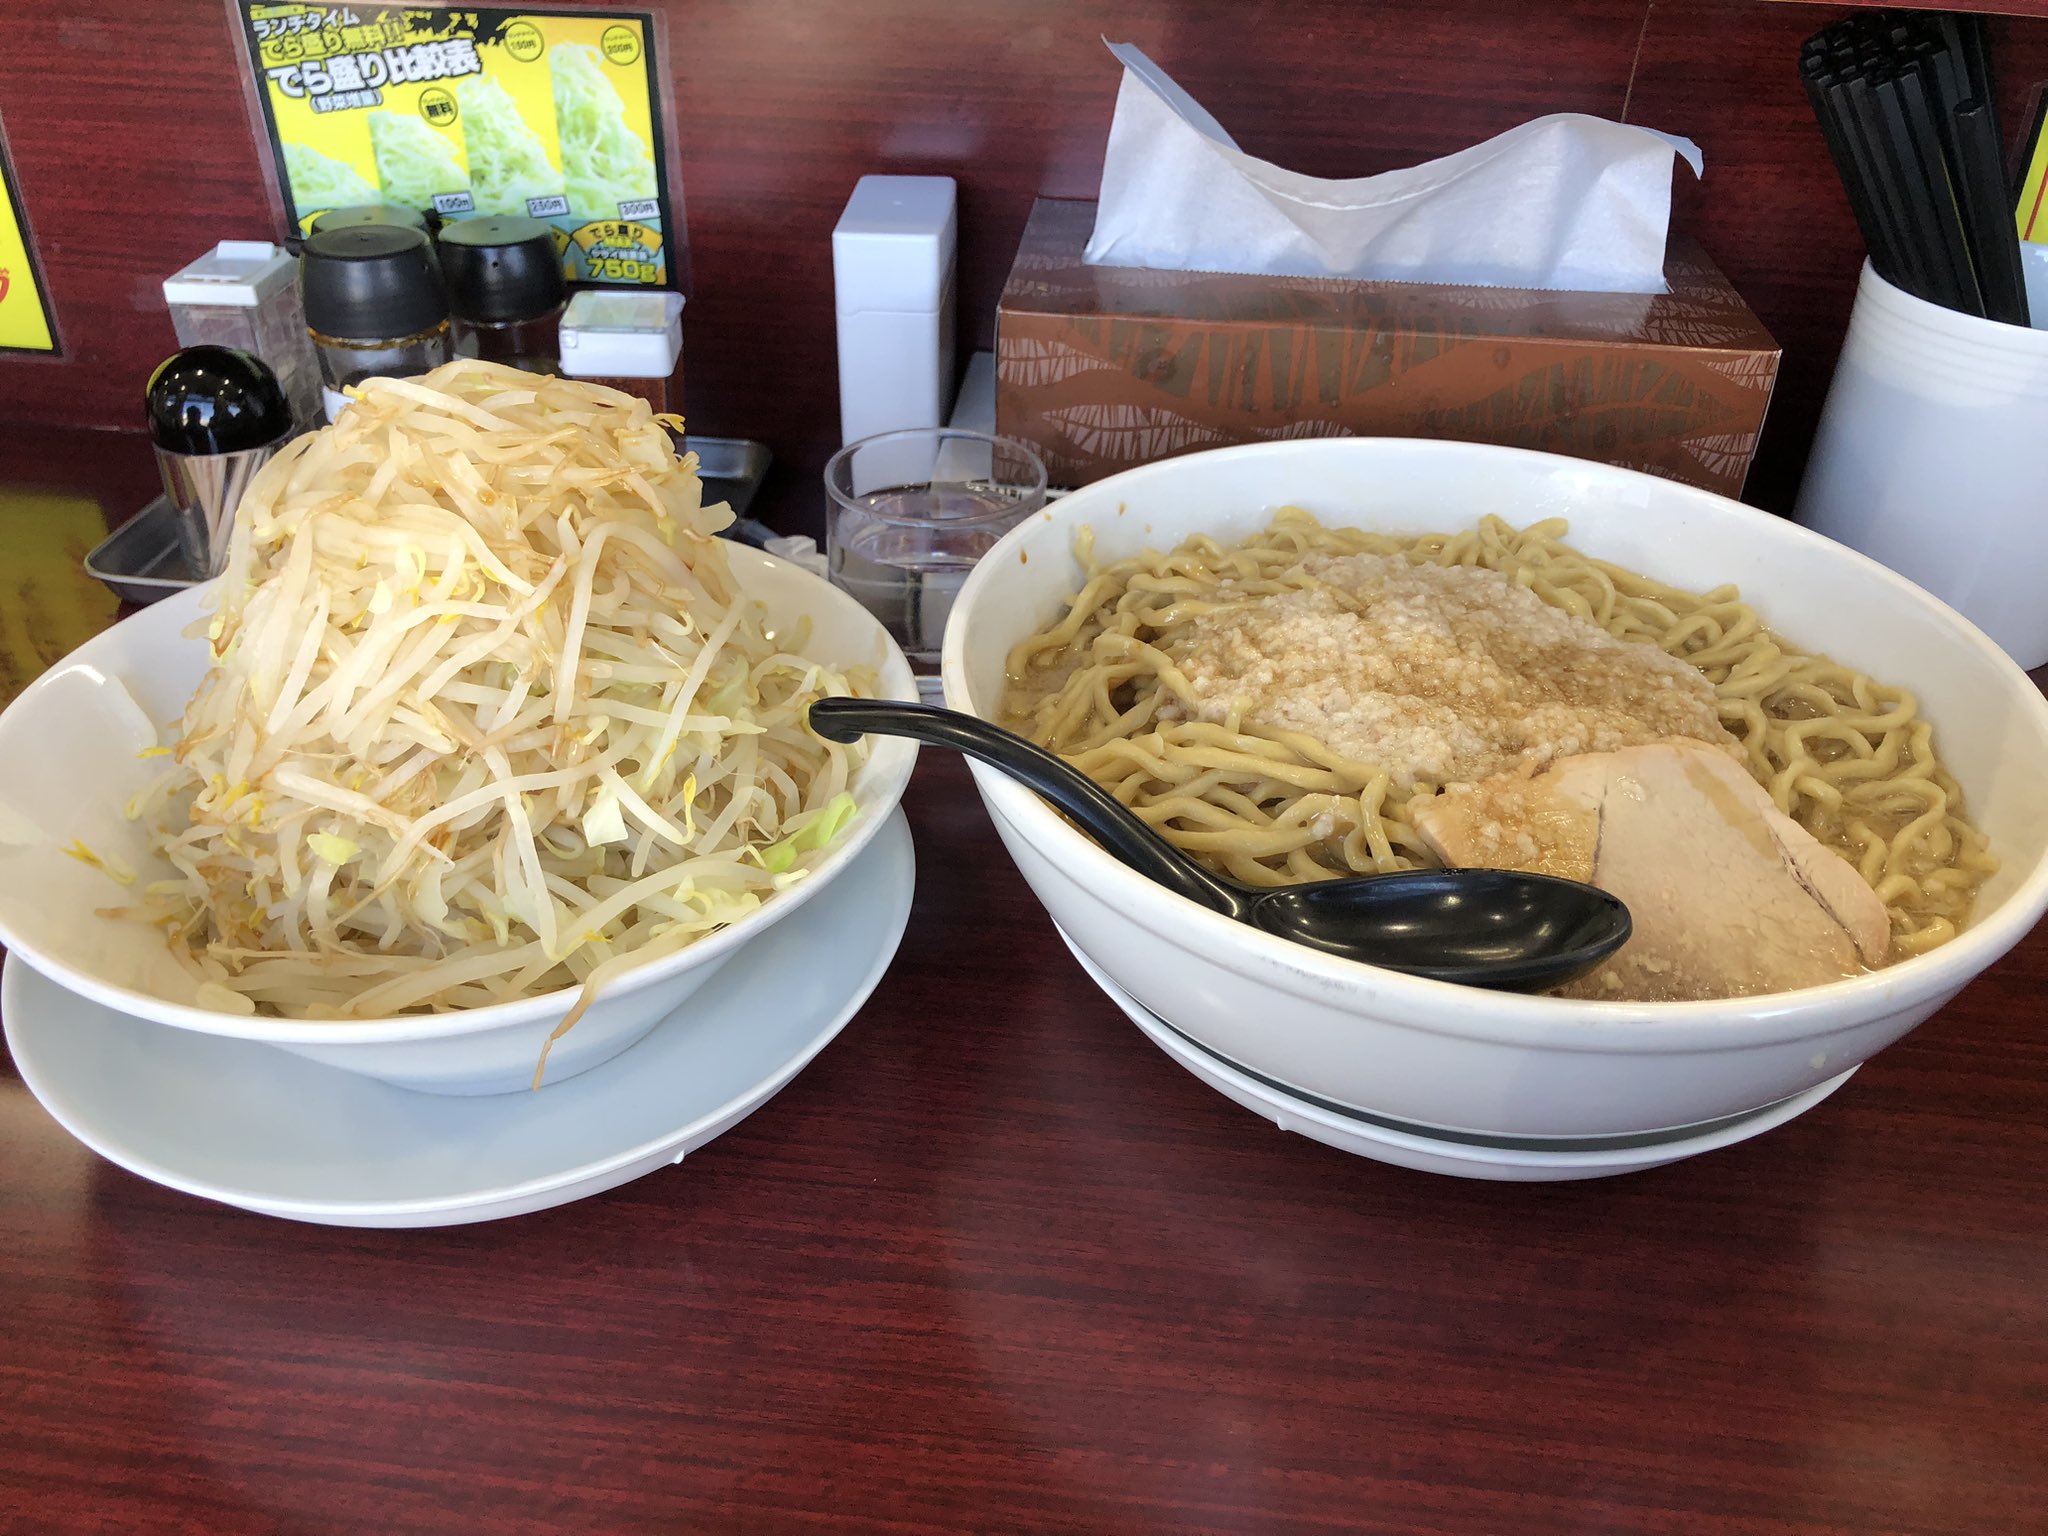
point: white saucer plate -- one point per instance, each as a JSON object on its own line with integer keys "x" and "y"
{"x": 1460, "y": 1154}
{"x": 253, "y": 1126}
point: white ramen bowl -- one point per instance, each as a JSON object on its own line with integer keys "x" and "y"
{"x": 69, "y": 764}
{"x": 1461, "y": 1058}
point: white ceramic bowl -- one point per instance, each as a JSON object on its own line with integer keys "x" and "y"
{"x": 1488, "y": 1062}
{"x": 68, "y": 766}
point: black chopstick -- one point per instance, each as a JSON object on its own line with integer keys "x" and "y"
{"x": 1920, "y": 264}
{"x": 1932, "y": 190}
{"x": 1994, "y": 237}
{"x": 1966, "y": 35}
{"x": 1904, "y": 104}
{"x": 1873, "y": 217}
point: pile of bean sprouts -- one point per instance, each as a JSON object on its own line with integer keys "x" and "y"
{"x": 489, "y": 715}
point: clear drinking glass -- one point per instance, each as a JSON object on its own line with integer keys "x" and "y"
{"x": 909, "y": 514}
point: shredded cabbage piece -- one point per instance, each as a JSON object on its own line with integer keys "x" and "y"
{"x": 414, "y": 163}
{"x": 460, "y": 743}
{"x": 320, "y": 182}
{"x": 604, "y": 161}
{"x": 508, "y": 163}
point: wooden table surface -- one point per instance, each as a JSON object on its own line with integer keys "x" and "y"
{"x": 994, "y": 1263}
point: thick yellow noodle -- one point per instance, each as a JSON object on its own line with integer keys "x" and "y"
{"x": 1848, "y": 758}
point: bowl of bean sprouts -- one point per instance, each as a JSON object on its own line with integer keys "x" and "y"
{"x": 480, "y": 757}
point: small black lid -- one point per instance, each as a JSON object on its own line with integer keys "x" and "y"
{"x": 371, "y": 213}
{"x": 215, "y": 400}
{"x": 370, "y": 282}
{"x": 502, "y": 268}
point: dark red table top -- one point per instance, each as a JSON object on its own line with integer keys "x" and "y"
{"x": 994, "y": 1263}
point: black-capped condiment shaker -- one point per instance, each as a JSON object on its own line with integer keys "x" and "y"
{"x": 374, "y": 305}
{"x": 506, "y": 290}
{"x": 216, "y": 414}
{"x": 371, "y": 213}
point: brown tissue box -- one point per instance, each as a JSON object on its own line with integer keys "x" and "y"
{"x": 1101, "y": 368}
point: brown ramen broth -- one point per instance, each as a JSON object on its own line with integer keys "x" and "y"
{"x": 1276, "y": 707}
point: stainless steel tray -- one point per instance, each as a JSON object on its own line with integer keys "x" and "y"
{"x": 141, "y": 561}
{"x": 732, "y": 469}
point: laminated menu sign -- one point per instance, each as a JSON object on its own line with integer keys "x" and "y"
{"x": 468, "y": 112}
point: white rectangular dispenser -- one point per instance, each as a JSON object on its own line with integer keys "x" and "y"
{"x": 892, "y": 273}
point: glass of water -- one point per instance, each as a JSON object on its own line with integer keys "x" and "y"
{"x": 909, "y": 514}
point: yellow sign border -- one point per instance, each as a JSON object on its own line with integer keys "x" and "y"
{"x": 24, "y": 326}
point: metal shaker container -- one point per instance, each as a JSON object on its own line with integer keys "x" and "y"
{"x": 216, "y": 415}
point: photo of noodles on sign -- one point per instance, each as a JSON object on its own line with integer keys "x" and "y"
{"x": 466, "y": 113}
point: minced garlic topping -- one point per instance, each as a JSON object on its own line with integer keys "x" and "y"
{"x": 1444, "y": 674}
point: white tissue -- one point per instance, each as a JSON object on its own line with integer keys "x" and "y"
{"x": 1566, "y": 201}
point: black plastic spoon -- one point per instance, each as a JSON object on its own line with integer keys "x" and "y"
{"x": 1482, "y": 927}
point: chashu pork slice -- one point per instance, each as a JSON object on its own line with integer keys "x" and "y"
{"x": 1730, "y": 897}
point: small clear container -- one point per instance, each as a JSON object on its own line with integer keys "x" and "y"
{"x": 244, "y": 294}
{"x": 344, "y": 362}
{"x": 907, "y": 516}
{"x": 627, "y": 341}
{"x": 506, "y": 291}
{"x": 528, "y": 344}
{"x": 374, "y": 305}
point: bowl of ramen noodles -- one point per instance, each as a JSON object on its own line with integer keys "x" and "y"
{"x": 1817, "y": 788}
{"x": 483, "y": 754}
